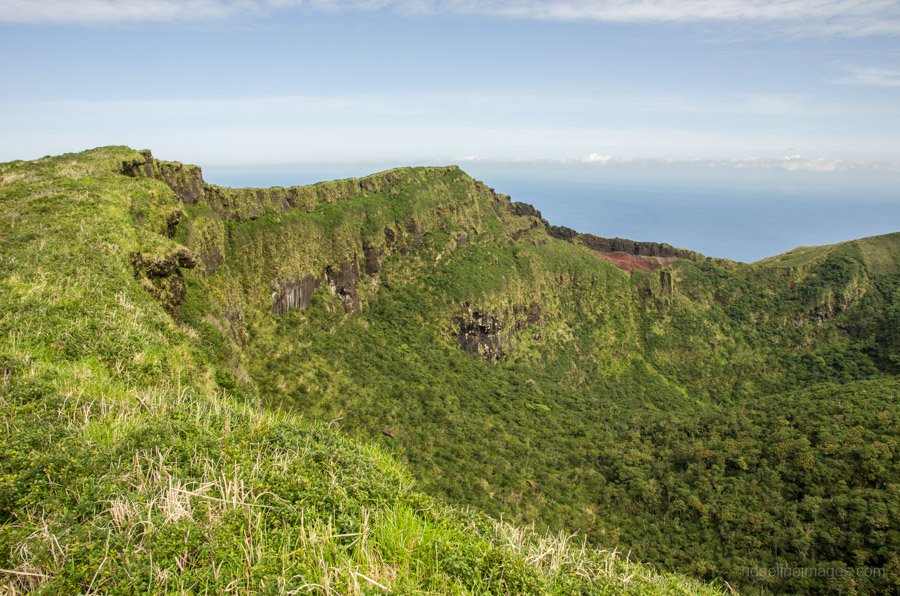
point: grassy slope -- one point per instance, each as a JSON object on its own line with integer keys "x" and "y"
{"x": 133, "y": 458}
{"x": 624, "y": 413}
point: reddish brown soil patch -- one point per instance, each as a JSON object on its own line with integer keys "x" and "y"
{"x": 628, "y": 262}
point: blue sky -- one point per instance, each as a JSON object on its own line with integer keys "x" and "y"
{"x": 791, "y": 93}
{"x": 219, "y": 81}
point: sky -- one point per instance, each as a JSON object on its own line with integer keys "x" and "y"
{"x": 766, "y": 94}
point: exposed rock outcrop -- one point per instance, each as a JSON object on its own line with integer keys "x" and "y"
{"x": 490, "y": 336}
{"x": 524, "y": 210}
{"x": 373, "y": 256}
{"x": 562, "y": 233}
{"x": 644, "y": 249}
{"x": 172, "y": 223}
{"x": 294, "y": 293}
{"x": 658, "y": 289}
{"x": 161, "y": 276}
{"x": 298, "y": 292}
{"x": 186, "y": 181}
{"x": 343, "y": 284}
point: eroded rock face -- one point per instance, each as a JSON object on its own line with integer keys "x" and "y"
{"x": 518, "y": 233}
{"x": 562, "y": 233}
{"x": 644, "y": 249}
{"x": 161, "y": 276}
{"x": 524, "y": 209}
{"x": 294, "y": 293}
{"x": 343, "y": 284}
{"x": 297, "y": 292}
{"x": 490, "y": 336}
{"x": 416, "y": 234}
{"x": 482, "y": 334}
{"x": 163, "y": 266}
{"x": 373, "y": 256}
{"x": 186, "y": 181}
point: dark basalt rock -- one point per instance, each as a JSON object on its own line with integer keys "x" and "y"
{"x": 644, "y": 249}
{"x": 295, "y": 293}
{"x": 373, "y": 258}
{"x": 562, "y": 233}
{"x": 533, "y": 314}
{"x": 483, "y": 335}
{"x": 607, "y": 245}
{"x": 378, "y": 182}
{"x": 172, "y": 223}
{"x": 212, "y": 257}
{"x": 490, "y": 336}
{"x": 298, "y": 292}
{"x": 524, "y": 210}
{"x": 343, "y": 284}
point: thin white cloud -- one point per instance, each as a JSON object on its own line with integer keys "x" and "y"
{"x": 597, "y": 159}
{"x": 841, "y": 17}
{"x": 120, "y": 11}
{"x": 831, "y": 17}
{"x": 868, "y": 75}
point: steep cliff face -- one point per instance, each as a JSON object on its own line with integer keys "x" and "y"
{"x": 285, "y": 256}
{"x": 491, "y": 335}
{"x": 185, "y": 180}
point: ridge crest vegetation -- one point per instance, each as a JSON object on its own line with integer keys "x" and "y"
{"x": 342, "y": 387}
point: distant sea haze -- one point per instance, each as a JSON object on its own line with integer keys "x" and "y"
{"x": 741, "y": 218}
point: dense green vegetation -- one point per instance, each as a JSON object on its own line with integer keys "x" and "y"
{"x": 712, "y": 418}
{"x": 133, "y": 460}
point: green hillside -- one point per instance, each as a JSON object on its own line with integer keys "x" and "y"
{"x": 307, "y": 389}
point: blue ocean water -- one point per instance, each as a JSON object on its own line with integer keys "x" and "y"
{"x": 741, "y": 217}
{"x": 733, "y": 223}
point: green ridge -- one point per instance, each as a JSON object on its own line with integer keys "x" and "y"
{"x": 711, "y": 418}
{"x": 132, "y": 460}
